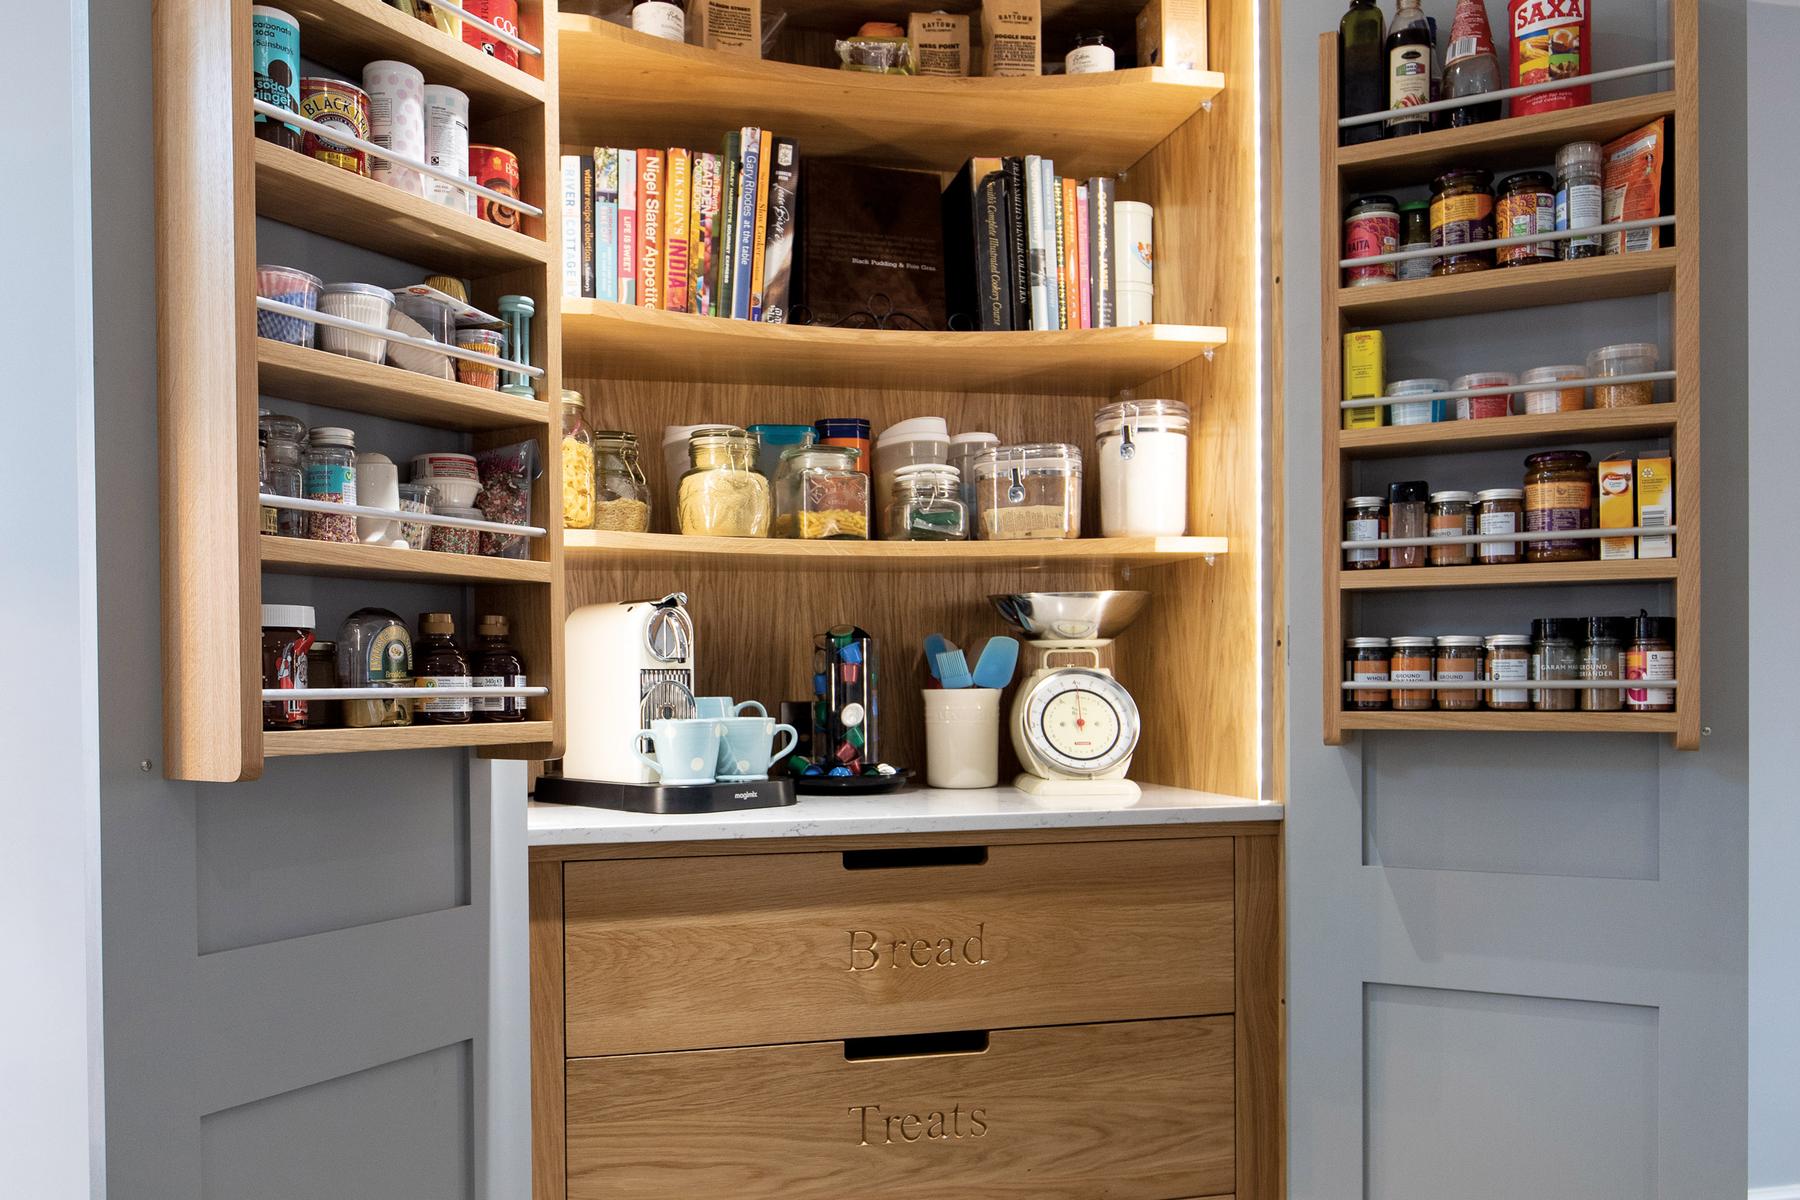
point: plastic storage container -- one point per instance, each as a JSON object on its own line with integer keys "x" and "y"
{"x": 772, "y": 441}
{"x": 1547, "y": 399}
{"x": 452, "y": 539}
{"x": 904, "y": 444}
{"x": 675, "y": 463}
{"x": 481, "y": 341}
{"x": 819, "y": 494}
{"x": 965, "y": 448}
{"x": 1626, "y": 358}
{"x": 416, "y": 498}
{"x": 283, "y": 448}
{"x": 1475, "y": 408}
{"x": 363, "y": 303}
{"x": 1030, "y": 491}
{"x": 1418, "y": 412}
{"x": 375, "y": 650}
{"x": 1142, "y": 446}
{"x": 290, "y": 285}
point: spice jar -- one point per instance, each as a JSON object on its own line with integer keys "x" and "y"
{"x": 1411, "y": 662}
{"x": 819, "y": 494}
{"x": 287, "y": 632}
{"x": 442, "y": 665}
{"x": 1559, "y": 494}
{"x": 1508, "y": 661}
{"x": 330, "y": 471}
{"x": 1526, "y": 207}
{"x": 1415, "y": 234}
{"x": 375, "y": 650}
{"x": 720, "y": 494}
{"x": 1371, "y": 228}
{"x": 497, "y": 664}
{"x": 1480, "y": 408}
{"x": 1418, "y": 412}
{"x": 1554, "y": 657}
{"x": 1499, "y": 510}
{"x": 1551, "y": 400}
{"x": 1142, "y": 446}
{"x": 1030, "y": 491}
{"x": 1365, "y": 520}
{"x": 577, "y": 463}
{"x": 1603, "y": 657}
{"x": 1462, "y": 211}
{"x": 1650, "y": 657}
{"x": 282, "y": 439}
{"x": 927, "y": 505}
{"x": 321, "y": 672}
{"x": 621, "y": 493}
{"x": 1458, "y": 660}
{"x": 1366, "y": 661}
{"x": 1407, "y": 519}
{"x": 1578, "y": 196}
{"x": 1452, "y": 515}
{"x": 1091, "y": 55}
{"x": 1627, "y": 358}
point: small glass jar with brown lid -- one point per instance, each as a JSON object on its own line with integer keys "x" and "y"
{"x": 1559, "y": 495}
{"x": 1508, "y": 661}
{"x": 1410, "y": 661}
{"x": 1458, "y": 661}
{"x": 1452, "y": 515}
{"x": 1499, "y": 510}
{"x": 1365, "y": 520}
{"x": 1366, "y": 661}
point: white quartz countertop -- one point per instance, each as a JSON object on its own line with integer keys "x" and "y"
{"x": 910, "y": 810}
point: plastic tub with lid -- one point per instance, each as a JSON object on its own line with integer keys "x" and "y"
{"x": 1028, "y": 492}
{"x": 1418, "y": 412}
{"x": 363, "y": 303}
{"x": 1142, "y": 446}
{"x": 1480, "y": 407}
{"x": 290, "y": 285}
{"x": 1626, "y": 358}
{"x": 905, "y": 444}
{"x": 1548, "y": 399}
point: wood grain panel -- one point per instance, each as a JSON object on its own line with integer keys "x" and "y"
{"x": 1138, "y": 1111}
{"x": 1621, "y": 570}
{"x": 1499, "y": 433}
{"x": 351, "y": 385}
{"x": 1685, "y": 17}
{"x": 1536, "y": 286}
{"x": 732, "y": 951}
{"x": 1485, "y": 721}
{"x": 670, "y": 551}
{"x": 352, "y": 560}
{"x": 1331, "y": 380}
{"x": 548, "y": 1162}
{"x": 1261, "y": 1043}
{"x": 287, "y": 743}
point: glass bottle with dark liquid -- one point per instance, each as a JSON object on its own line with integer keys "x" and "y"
{"x": 1362, "y": 71}
{"x": 1409, "y": 52}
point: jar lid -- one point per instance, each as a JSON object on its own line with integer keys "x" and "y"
{"x": 1647, "y": 628}
{"x": 332, "y": 435}
{"x": 1612, "y": 628}
{"x": 1458, "y": 641}
{"x": 572, "y": 399}
{"x": 493, "y": 625}
{"x": 1416, "y": 206}
{"x": 1365, "y": 502}
{"x": 357, "y": 289}
{"x": 841, "y": 458}
{"x": 1613, "y": 353}
{"x": 1415, "y": 387}
{"x": 1453, "y": 497}
{"x": 1154, "y": 415}
{"x": 1051, "y": 457}
{"x": 1500, "y": 494}
{"x": 1507, "y": 639}
{"x": 914, "y": 429}
{"x": 1481, "y": 379}
{"x": 1377, "y": 202}
{"x": 850, "y": 427}
{"x": 1412, "y": 643}
{"x": 931, "y": 477}
{"x": 1545, "y": 458}
{"x": 417, "y": 491}
{"x": 280, "y": 425}
{"x": 680, "y": 433}
{"x": 1409, "y": 492}
{"x": 1549, "y": 374}
{"x": 1540, "y": 180}
{"x": 781, "y": 435}
{"x": 372, "y": 458}
{"x": 975, "y": 439}
{"x": 917, "y": 470}
{"x": 1458, "y": 175}
{"x": 1366, "y": 643}
{"x": 1567, "y": 629}
{"x": 321, "y": 646}
{"x": 273, "y": 268}
{"x": 443, "y": 464}
{"x": 623, "y": 437}
{"x": 710, "y": 435}
{"x": 287, "y": 616}
{"x": 1578, "y": 156}
{"x": 437, "y": 622}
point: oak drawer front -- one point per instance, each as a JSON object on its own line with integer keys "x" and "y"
{"x": 1134, "y": 1111}
{"x": 694, "y": 953}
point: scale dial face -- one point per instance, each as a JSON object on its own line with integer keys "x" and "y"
{"x": 1080, "y": 722}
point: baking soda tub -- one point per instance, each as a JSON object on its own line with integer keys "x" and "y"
{"x": 1142, "y": 446}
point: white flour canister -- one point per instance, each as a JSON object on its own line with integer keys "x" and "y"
{"x": 447, "y": 144}
{"x": 396, "y": 120}
{"x": 1142, "y": 446}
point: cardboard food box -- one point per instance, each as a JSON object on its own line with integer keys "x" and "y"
{"x": 734, "y": 26}
{"x": 1656, "y": 503}
{"x": 1172, "y": 33}
{"x": 1363, "y": 377}
{"x": 1012, "y": 37}
{"x": 940, "y": 42}
{"x": 1617, "y": 474}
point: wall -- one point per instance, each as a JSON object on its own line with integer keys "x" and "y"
{"x": 50, "y": 1121}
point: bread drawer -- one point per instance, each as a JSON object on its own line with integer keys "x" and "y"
{"x": 686, "y": 954}
{"x": 1134, "y": 1111}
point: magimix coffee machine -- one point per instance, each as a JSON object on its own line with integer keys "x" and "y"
{"x": 628, "y": 664}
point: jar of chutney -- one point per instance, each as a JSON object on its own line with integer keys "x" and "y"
{"x": 1462, "y": 211}
{"x": 1559, "y": 495}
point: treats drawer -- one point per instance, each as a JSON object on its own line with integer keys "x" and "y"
{"x": 693, "y": 953}
{"x": 1135, "y": 1111}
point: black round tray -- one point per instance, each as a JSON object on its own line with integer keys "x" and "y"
{"x": 850, "y": 785}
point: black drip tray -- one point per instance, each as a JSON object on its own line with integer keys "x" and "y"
{"x": 675, "y": 799}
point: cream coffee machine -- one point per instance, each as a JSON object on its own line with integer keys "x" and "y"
{"x": 628, "y": 664}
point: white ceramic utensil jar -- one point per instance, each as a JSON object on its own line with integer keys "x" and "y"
{"x": 1142, "y": 446}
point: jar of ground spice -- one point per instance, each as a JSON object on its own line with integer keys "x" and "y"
{"x": 1452, "y": 516}
{"x": 1559, "y": 495}
{"x": 1555, "y": 657}
{"x": 1650, "y": 657}
{"x": 1508, "y": 661}
{"x": 1366, "y": 661}
{"x": 1603, "y": 657}
{"x": 1407, "y": 518}
{"x": 1365, "y": 520}
{"x": 1410, "y": 661}
{"x": 1499, "y": 510}
{"x": 1458, "y": 661}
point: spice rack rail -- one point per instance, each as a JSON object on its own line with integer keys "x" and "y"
{"x": 674, "y": 551}
{"x": 627, "y": 342}
{"x": 673, "y": 94}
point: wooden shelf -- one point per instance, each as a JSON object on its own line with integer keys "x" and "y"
{"x": 1502, "y": 289}
{"x": 302, "y": 556}
{"x": 619, "y": 341}
{"x": 667, "y": 551}
{"x": 314, "y": 195}
{"x": 309, "y": 376}
{"x": 1486, "y": 721}
{"x": 1499, "y": 433}
{"x": 293, "y": 742}
{"x": 1626, "y": 570}
{"x": 624, "y": 87}
{"x": 1498, "y": 146}
{"x": 347, "y": 34}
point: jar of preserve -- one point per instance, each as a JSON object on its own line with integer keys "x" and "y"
{"x": 1508, "y": 661}
{"x": 1452, "y": 515}
{"x": 287, "y": 633}
{"x": 321, "y": 672}
{"x": 1462, "y": 211}
{"x": 1603, "y": 657}
{"x": 1415, "y": 234}
{"x": 1365, "y": 520}
{"x": 1499, "y": 510}
{"x": 1650, "y": 657}
{"x": 1371, "y": 228}
{"x": 1458, "y": 661}
{"x": 1526, "y": 207}
{"x": 1407, "y": 503}
{"x": 1554, "y": 656}
{"x": 1559, "y": 494}
{"x": 1410, "y": 661}
{"x": 1366, "y": 661}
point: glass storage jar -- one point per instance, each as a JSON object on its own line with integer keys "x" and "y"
{"x": 1650, "y": 657}
{"x": 1499, "y": 510}
{"x": 287, "y": 633}
{"x": 1452, "y": 515}
{"x": 577, "y": 463}
{"x": 1366, "y": 661}
{"x": 1142, "y": 446}
{"x": 904, "y": 444}
{"x": 375, "y": 650}
{"x": 1458, "y": 661}
{"x": 1603, "y": 657}
{"x": 1411, "y": 662}
{"x": 1030, "y": 491}
{"x": 820, "y": 494}
{"x": 330, "y": 469}
{"x": 283, "y": 475}
{"x": 1526, "y": 206}
{"x": 1415, "y": 234}
{"x": 1365, "y": 520}
{"x": 1508, "y": 661}
{"x": 721, "y": 494}
{"x": 1462, "y": 211}
{"x": 621, "y": 493}
{"x": 1554, "y": 657}
{"x": 927, "y": 506}
{"x": 1559, "y": 494}
{"x": 1407, "y": 519}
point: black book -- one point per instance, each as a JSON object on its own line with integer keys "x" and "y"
{"x": 977, "y": 250}
{"x": 1101, "y": 285}
{"x": 1014, "y": 168}
{"x": 871, "y": 246}
{"x": 778, "y": 249}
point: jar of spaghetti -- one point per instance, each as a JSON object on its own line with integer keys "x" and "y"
{"x": 1508, "y": 661}
{"x": 1476, "y": 408}
{"x": 1462, "y": 211}
{"x": 1366, "y": 661}
{"x": 1458, "y": 661}
{"x": 1365, "y": 520}
{"x": 1499, "y": 510}
{"x": 1452, "y": 515}
{"x": 1371, "y": 227}
{"x": 1554, "y": 399}
{"x": 1559, "y": 494}
{"x": 1410, "y": 661}
{"x": 1526, "y": 208}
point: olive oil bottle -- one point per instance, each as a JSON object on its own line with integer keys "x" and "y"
{"x": 1362, "y": 70}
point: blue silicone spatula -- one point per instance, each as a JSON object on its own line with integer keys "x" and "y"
{"x": 999, "y": 658}
{"x": 935, "y": 644}
{"x": 953, "y": 669}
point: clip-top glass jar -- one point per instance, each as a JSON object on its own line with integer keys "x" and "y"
{"x": 927, "y": 505}
{"x": 721, "y": 494}
{"x": 1143, "y": 450}
{"x": 1031, "y": 491}
{"x": 577, "y": 463}
{"x": 621, "y": 494}
{"x": 820, "y": 494}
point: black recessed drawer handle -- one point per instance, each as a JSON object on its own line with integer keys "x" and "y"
{"x": 917, "y": 1045}
{"x": 916, "y": 856}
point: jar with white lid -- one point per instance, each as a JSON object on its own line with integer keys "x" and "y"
{"x": 965, "y": 448}
{"x": 1142, "y": 446}
{"x": 1029, "y": 492}
{"x": 1418, "y": 412}
{"x": 1549, "y": 399}
{"x": 1481, "y": 407}
{"x": 903, "y": 444}
{"x": 927, "y": 505}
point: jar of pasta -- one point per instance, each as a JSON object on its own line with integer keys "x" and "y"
{"x": 577, "y": 463}
{"x": 721, "y": 494}
{"x": 621, "y": 493}
{"x": 820, "y": 493}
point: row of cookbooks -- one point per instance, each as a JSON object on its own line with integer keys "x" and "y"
{"x": 684, "y": 230}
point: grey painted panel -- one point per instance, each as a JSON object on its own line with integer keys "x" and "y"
{"x": 399, "y": 1131}
{"x": 1493, "y": 1097}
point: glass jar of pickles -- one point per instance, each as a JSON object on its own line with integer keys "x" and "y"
{"x": 621, "y": 494}
{"x": 820, "y": 493}
{"x": 721, "y": 493}
{"x": 577, "y": 463}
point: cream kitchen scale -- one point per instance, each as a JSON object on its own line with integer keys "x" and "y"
{"x": 1074, "y": 727}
